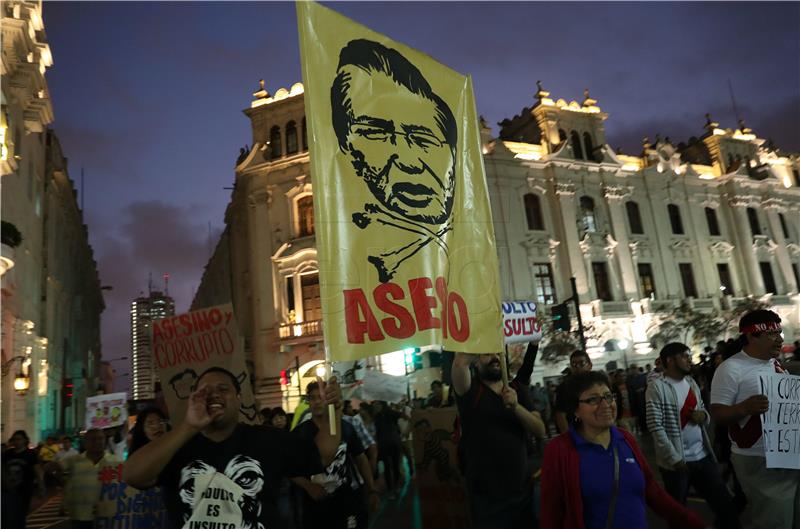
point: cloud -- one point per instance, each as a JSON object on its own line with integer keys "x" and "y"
{"x": 156, "y": 237}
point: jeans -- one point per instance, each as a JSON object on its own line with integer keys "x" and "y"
{"x": 707, "y": 480}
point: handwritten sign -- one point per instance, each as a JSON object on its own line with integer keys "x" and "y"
{"x": 184, "y": 346}
{"x": 781, "y": 423}
{"x": 380, "y": 386}
{"x": 106, "y": 411}
{"x": 124, "y": 507}
{"x": 520, "y": 322}
{"x": 442, "y": 494}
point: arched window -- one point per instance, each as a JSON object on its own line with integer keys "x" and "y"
{"x": 587, "y": 146}
{"x": 305, "y": 135}
{"x": 533, "y": 212}
{"x": 752, "y": 219}
{"x": 712, "y": 221}
{"x": 291, "y": 138}
{"x": 305, "y": 216}
{"x": 675, "y": 219}
{"x": 634, "y": 217}
{"x": 588, "y": 221}
{"x": 562, "y": 136}
{"x": 275, "y": 148}
{"x": 576, "y": 145}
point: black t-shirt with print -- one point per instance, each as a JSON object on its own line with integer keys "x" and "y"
{"x": 495, "y": 443}
{"x": 19, "y": 467}
{"x": 342, "y": 471}
{"x": 234, "y": 483}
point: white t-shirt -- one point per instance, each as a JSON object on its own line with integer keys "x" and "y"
{"x": 693, "y": 449}
{"x": 736, "y": 380}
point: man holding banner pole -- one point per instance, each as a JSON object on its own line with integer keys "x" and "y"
{"x": 496, "y": 421}
{"x": 738, "y": 402}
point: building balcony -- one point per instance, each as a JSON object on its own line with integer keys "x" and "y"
{"x": 305, "y": 329}
{"x": 611, "y": 308}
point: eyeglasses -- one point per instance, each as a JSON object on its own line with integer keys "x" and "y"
{"x": 610, "y": 398}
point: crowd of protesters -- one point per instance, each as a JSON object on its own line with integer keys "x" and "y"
{"x": 566, "y": 455}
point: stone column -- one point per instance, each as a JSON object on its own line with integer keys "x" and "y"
{"x": 663, "y": 237}
{"x": 566, "y": 199}
{"x": 782, "y": 259}
{"x": 709, "y": 284}
{"x": 744, "y": 245}
{"x": 615, "y": 196}
{"x": 261, "y": 280}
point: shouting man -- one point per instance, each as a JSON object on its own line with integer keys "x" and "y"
{"x": 212, "y": 468}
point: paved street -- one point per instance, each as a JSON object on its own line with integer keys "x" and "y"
{"x": 46, "y": 515}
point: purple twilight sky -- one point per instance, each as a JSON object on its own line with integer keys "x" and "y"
{"x": 148, "y": 98}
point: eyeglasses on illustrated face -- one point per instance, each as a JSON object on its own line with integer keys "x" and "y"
{"x": 610, "y": 398}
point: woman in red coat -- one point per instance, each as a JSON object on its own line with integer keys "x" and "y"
{"x": 594, "y": 475}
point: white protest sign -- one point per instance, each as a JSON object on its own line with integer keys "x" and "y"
{"x": 781, "y": 424}
{"x": 380, "y": 386}
{"x": 520, "y": 322}
{"x": 106, "y": 411}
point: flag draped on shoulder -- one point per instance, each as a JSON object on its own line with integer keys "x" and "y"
{"x": 403, "y": 225}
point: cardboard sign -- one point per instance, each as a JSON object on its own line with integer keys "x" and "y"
{"x": 403, "y": 226}
{"x": 184, "y": 346}
{"x": 124, "y": 507}
{"x": 442, "y": 495}
{"x": 781, "y": 423}
{"x": 521, "y": 322}
{"x": 106, "y": 411}
{"x": 380, "y": 386}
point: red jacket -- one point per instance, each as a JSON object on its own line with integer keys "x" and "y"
{"x": 562, "y": 504}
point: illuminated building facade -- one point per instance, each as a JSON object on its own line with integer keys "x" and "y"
{"x": 51, "y": 295}
{"x": 708, "y": 221}
{"x": 144, "y": 310}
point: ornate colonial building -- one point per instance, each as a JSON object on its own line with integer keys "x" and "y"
{"x": 708, "y": 221}
{"x": 51, "y": 297}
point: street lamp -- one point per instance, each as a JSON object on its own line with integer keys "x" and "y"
{"x": 22, "y": 381}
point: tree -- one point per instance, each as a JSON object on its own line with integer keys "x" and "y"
{"x": 10, "y": 234}
{"x": 684, "y": 323}
{"x": 557, "y": 345}
{"x": 740, "y": 308}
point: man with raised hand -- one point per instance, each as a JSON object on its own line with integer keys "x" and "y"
{"x": 215, "y": 469}
{"x": 496, "y": 423}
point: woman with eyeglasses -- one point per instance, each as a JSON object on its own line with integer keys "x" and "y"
{"x": 594, "y": 476}
{"x": 151, "y": 423}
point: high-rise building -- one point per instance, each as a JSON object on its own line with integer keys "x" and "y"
{"x": 144, "y": 310}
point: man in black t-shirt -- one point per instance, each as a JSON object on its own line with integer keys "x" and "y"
{"x": 579, "y": 362}
{"x": 496, "y": 423}
{"x": 334, "y": 498}
{"x": 215, "y": 470}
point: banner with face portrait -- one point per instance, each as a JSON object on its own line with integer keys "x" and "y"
{"x": 404, "y": 234}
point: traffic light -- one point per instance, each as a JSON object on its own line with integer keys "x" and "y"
{"x": 413, "y": 358}
{"x": 68, "y": 390}
{"x": 560, "y": 316}
{"x": 284, "y": 378}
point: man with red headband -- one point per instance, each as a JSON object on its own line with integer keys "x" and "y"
{"x": 773, "y": 494}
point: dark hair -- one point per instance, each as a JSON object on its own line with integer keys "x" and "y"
{"x": 312, "y": 386}
{"x": 138, "y": 437}
{"x": 217, "y": 369}
{"x": 436, "y": 383}
{"x": 579, "y": 383}
{"x": 670, "y": 350}
{"x": 23, "y": 433}
{"x": 577, "y": 353}
{"x": 751, "y": 318}
{"x": 371, "y": 56}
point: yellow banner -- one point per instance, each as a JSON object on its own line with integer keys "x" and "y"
{"x": 403, "y": 225}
